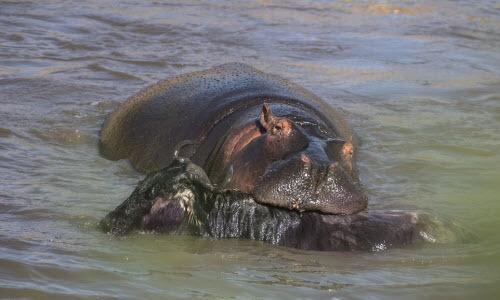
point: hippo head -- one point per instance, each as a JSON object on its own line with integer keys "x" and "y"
{"x": 280, "y": 163}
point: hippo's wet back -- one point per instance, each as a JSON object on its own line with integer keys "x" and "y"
{"x": 254, "y": 132}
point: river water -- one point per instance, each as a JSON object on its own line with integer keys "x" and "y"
{"x": 419, "y": 81}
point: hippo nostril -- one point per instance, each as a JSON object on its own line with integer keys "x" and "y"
{"x": 307, "y": 165}
{"x": 332, "y": 169}
{"x": 347, "y": 150}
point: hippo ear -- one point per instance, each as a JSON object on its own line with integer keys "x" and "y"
{"x": 267, "y": 119}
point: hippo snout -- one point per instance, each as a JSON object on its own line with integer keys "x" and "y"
{"x": 303, "y": 184}
{"x": 338, "y": 192}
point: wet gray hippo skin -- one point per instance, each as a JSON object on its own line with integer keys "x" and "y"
{"x": 172, "y": 201}
{"x": 256, "y": 133}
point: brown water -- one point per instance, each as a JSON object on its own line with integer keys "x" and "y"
{"x": 418, "y": 80}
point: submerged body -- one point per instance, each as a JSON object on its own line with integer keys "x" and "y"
{"x": 254, "y": 132}
{"x": 169, "y": 201}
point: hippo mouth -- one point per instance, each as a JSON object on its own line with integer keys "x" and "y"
{"x": 299, "y": 184}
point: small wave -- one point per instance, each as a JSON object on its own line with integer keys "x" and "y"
{"x": 63, "y": 135}
{"x": 79, "y": 46}
{"x": 157, "y": 63}
{"x": 4, "y": 132}
{"x": 106, "y": 104}
{"x": 118, "y": 74}
{"x": 109, "y": 20}
{"x": 441, "y": 230}
{"x": 463, "y": 150}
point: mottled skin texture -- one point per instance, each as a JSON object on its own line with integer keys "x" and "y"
{"x": 255, "y": 133}
{"x": 168, "y": 201}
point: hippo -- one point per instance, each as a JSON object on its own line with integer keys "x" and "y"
{"x": 251, "y": 131}
{"x": 233, "y": 152}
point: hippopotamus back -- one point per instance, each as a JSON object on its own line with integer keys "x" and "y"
{"x": 148, "y": 126}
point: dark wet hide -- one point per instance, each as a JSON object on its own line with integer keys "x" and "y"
{"x": 167, "y": 201}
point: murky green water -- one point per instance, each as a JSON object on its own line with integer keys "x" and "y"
{"x": 418, "y": 80}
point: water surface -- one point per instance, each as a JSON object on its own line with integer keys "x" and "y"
{"x": 418, "y": 80}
